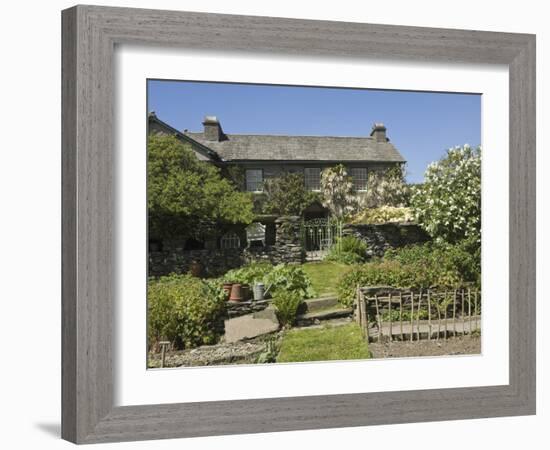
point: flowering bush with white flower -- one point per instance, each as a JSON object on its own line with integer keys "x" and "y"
{"x": 338, "y": 194}
{"x": 387, "y": 188}
{"x": 448, "y": 204}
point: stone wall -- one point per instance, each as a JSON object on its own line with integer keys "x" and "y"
{"x": 214, "y": 262}
{"x": 380, "y": 238}
{"x": 287, "y": 248}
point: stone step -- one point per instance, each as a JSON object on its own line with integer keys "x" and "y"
{"x": 323, "y": 314}
{"x": 323, "y": 302}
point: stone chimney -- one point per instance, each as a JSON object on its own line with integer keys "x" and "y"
{"x": 212, "y": 129}
{"x": 379, "y": 132}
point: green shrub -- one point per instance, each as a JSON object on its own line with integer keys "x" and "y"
{"x": 287, "y": 195}
{"x": 289, "y": 278}
{"x": 282, "y": 277}
{"x": 287, "y": 304}
{"x": 415, "y": 267}
{"x": 440, "y": 264}
{"x": 184, "y": 310}
{"x": 377, "y": 273}
{"x": 248, "y": 274}
{"x": 348, "y": 250}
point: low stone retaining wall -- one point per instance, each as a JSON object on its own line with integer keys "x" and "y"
{"x": 380, "y": 238}
{"x": 237, "y": 309}
{"x": 214, "y": 262}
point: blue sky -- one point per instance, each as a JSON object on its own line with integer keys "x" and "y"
{"x": 422, "y": 125}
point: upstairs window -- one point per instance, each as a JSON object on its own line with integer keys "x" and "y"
{"x": 359, "y": 177}
{"x": 312, "y": 178}
{"x": 254, "y": 180}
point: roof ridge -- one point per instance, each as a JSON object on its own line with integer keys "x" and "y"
{"x": 290, "y": 135}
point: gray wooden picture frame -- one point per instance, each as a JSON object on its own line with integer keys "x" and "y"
{"x": 90, "y": 34}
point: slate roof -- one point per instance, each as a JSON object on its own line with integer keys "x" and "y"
{"x": 263, "y": 147}
{"x": 244, "y": 147}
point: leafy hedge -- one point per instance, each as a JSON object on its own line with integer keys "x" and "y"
{"x": 184, "y": 310}
{"x": 416, "y": 266}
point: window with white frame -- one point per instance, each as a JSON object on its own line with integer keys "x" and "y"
{"x": 312, "y": 178}
{"x": 360, "y": 178}
{"x": 230, "y": 240}
{"x": 254, "y": 180}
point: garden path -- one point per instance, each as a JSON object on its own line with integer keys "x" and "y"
{"x": 252, "y": 325}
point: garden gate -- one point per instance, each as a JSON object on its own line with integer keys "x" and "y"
{"x": 318, "y": 236}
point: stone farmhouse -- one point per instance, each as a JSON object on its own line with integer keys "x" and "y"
{"x": 265, "y": 156}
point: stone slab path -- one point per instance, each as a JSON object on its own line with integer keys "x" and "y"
{"x": 251, "y": 326}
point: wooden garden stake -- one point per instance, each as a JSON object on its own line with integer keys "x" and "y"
{"x": 412, "y": 316}
{"x": 455, "y": 293}
{"x": 378, "y": 320}
{"x": 445, "y": 318}
{"x": 463, "y": 316}
{"x": 429, "y": 317}
{"x": 418, "y": 315}
{"x": 389, "y": 311}
{"x": 470, "y": 311}
{"x": 401, "y": 314}
{"x": 439, "y": 320}
{"x": 475, "y": 309}
{"x": 163, "y": 345}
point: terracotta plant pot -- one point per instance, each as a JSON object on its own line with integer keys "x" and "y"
{"x": 236, "y": 293}
{"x": 227, "y": 288}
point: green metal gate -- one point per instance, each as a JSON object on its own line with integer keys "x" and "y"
{"x": 319, "y": 235}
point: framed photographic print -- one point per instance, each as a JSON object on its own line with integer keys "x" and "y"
{"x": 252, "y": 211}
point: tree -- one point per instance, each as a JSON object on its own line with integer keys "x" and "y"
{"x": 387, "y": 188}
{"x": 338, "y": 194}
{"x": 187, "y": 197}
{"x": 287, "y": 195}
{"x": 448, "y": 204}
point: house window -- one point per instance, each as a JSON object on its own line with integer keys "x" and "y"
{"x": 254, "y": 180}
{"x": 312, "y": 178}
{"x": 359, "y": 177}
{"x": 230, "y": 240}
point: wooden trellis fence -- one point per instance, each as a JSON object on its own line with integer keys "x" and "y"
{"x": 386, "y": 313}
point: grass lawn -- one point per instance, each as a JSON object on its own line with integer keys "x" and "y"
{"x": 325, "y": 275}
{"x": 323, "y": 344}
